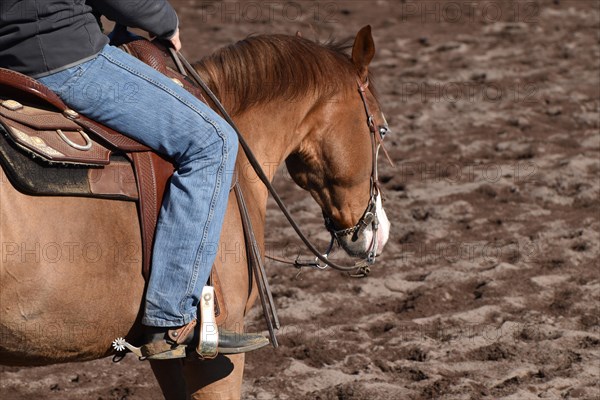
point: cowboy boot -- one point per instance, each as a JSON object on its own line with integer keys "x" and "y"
{"x": 165, "y": 343}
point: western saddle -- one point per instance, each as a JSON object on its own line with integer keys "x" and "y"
{"x": 48, "y": 149}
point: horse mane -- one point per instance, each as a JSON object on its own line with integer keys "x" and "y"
{"x": 264, "y": 68}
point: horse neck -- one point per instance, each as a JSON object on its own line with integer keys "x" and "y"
{"x": 273, "y": 131}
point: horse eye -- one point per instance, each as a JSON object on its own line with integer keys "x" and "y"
{"x": 383, "y": 131}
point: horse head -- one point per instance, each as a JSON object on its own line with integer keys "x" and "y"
{"x": 337, "y": 160}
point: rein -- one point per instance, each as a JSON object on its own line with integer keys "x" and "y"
{"x": 360, "y": 268}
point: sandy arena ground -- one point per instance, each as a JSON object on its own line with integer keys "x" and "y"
{"x": 489, "y": 286}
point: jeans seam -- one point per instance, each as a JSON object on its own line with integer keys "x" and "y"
{"x": 167, "y": 90}
{"x": 209, "y": 218}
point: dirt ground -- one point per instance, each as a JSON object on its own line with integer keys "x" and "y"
{"x": 489, "y": 286}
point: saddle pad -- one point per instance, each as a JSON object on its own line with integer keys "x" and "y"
{"x": 50, "y": 135}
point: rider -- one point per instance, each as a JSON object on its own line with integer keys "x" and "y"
{"x": 60, "y": 43}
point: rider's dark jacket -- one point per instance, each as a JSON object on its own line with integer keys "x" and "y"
{"x": 40, "y": 37}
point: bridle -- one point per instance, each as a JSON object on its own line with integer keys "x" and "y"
{"x": 369, "y": 218}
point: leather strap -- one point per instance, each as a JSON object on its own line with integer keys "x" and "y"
{"x": 152, "y": 174}
{"x": 180, "y": 335}
{"x": 110, "y": 136}
{"x": 25, "y": 84}
{"x": 256, "y": 267}
{"x": 147, "y": 188}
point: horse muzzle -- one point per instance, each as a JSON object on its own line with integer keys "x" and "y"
{"x": 361, "y": 243}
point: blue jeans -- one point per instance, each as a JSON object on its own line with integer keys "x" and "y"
{"x": 121, "y": 92}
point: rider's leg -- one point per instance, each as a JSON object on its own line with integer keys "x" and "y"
{"x": 125, "y": 94}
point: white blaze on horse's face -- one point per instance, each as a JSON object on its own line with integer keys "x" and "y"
{"x": 383, "y": 233}
{"x": 360, "y": 245}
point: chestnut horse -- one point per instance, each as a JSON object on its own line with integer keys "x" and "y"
{"x": 70, "y": 276}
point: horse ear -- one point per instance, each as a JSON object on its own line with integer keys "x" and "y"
{"x": 363, "y": 50}
{"x": 299, "y": 34}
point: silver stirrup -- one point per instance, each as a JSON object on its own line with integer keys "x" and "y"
{"x": 209, "y": 331}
